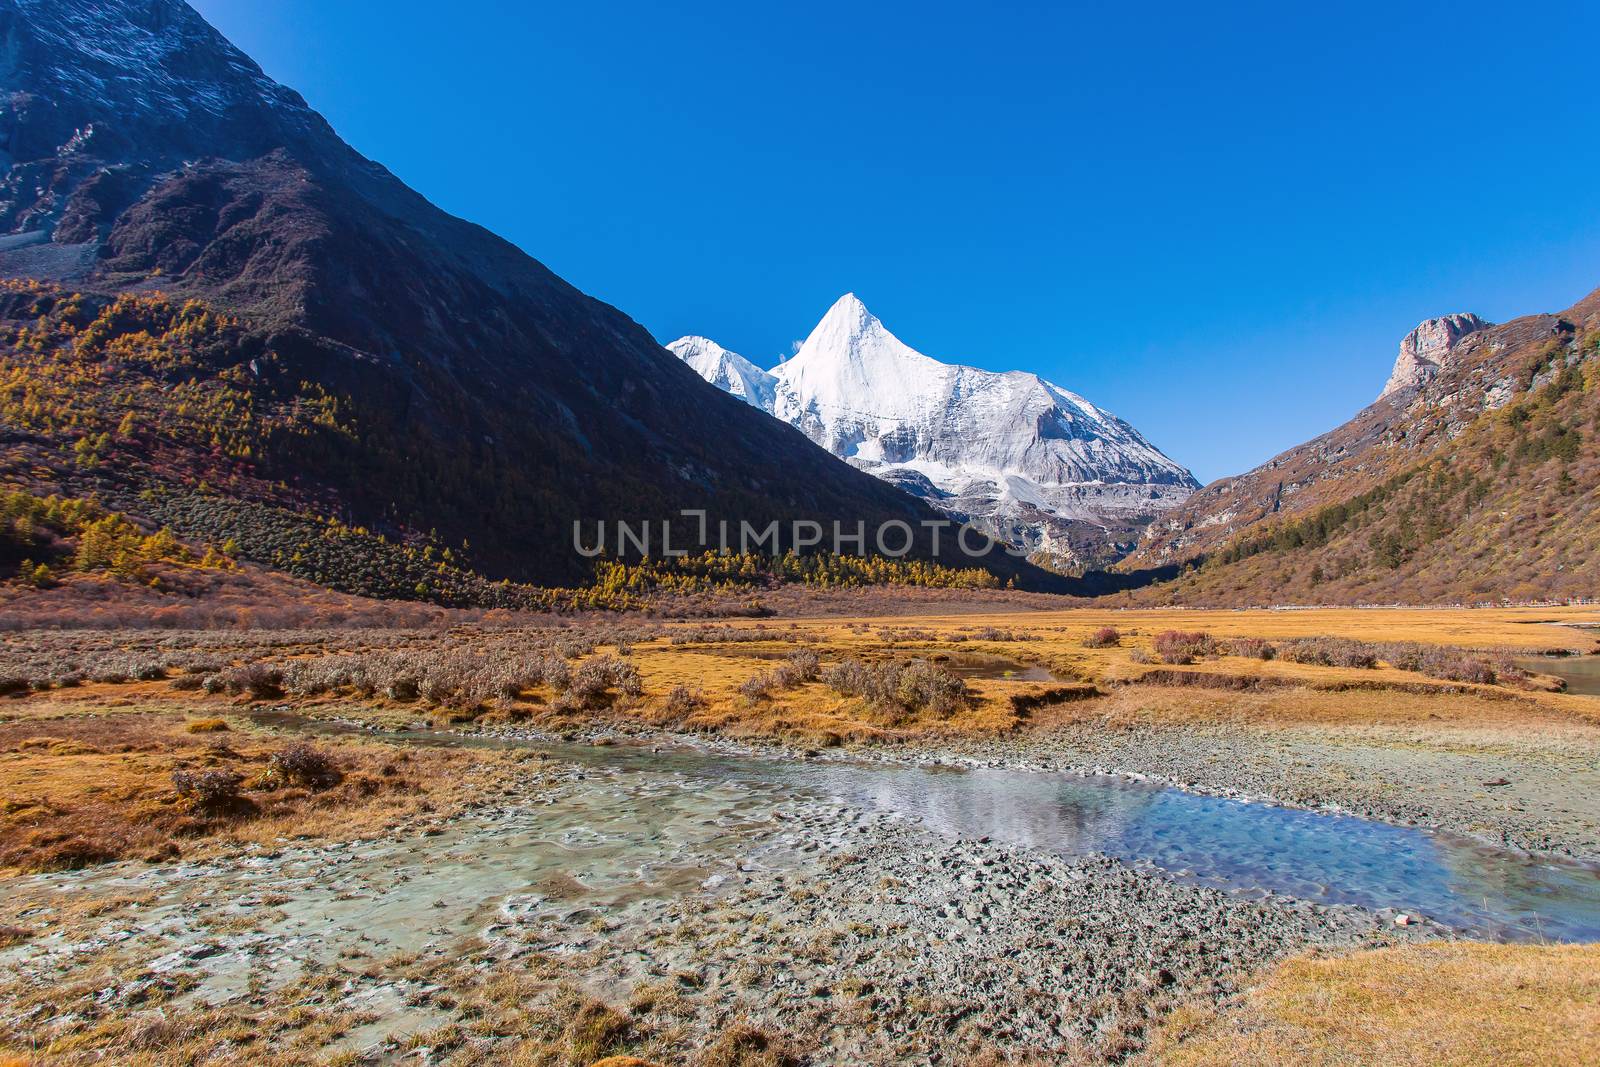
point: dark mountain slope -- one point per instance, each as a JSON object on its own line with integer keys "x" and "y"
{"x": 1475, "y": 478}
{"x": 480, "y": 396}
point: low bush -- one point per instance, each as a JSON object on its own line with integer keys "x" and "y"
{"x": 261, "y": 681}
{"x": 302, "y": 765}
{"x": 802, "y": 665}
{"x": 707, "y": 635}
{"x": 1250, "y": 648}
{"x": 1449, "y": 663}
{"x": 1329, "y": 652}
{"x": 1183, "y": 646}
{"x": 1105, "y": 637}
{"x": 591, "y": 682}
{"x": 463, "y": 676}
{"x": 683, "y": 701}
{"x": 991, "y": 633}
{"x": 912, "y": 686}
{"x": 757, "y": 687}
{"x": 210, "y": 791}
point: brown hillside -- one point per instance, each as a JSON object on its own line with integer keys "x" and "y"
{"x": 1396, "y": 432}
{"x": 1480, "y": 484}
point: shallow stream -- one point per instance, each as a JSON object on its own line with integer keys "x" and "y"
{"x": 1242, "y": 846}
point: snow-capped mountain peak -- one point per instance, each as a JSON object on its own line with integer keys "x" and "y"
{"x": 850, "y": 330}
{"x": 1009, "y": 451}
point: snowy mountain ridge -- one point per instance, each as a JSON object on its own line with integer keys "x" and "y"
{"x": 1029, "y": 462}
{"x": 728, "y": 371}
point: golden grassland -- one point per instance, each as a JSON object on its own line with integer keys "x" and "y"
{"x": 96, "y": 788}
{"x": 1056, "y": 640}
{"x": 1532, "y": 629}
{"x": 1427, "y": 1005}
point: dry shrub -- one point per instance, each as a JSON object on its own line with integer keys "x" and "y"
{"x": 302, "y": 765}
{"x": 1250, "y": 648}
{"x": 214, "y": 792}
{"x": 1183, "y": 646}
{"x": 802, "y": 666}
{"x": 1105, "y": 637}
{"x": 1329, "y": 652}
{"x": 910, "y": 686}
{"x": 683, "y": 701}
{"x": 757, "y": 687}
{"x": 461, "y": 676}
{"x": 1445, "y": 662}
{"x": 1449, "y": 663}
{"x": 261, "y": 681}
{"x": 590, "y": 685}
{"x": 987, "y": 633}
{"x": 708, "y": 635}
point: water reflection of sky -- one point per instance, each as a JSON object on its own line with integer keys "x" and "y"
{"x": 1581, "y": 673}
{"x": 1228, "y": 843}
{"x": 1238, "y": 845}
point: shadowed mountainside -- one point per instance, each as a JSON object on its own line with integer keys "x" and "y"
{"x": 479, "y": 398}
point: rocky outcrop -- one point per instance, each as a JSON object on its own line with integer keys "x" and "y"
{"x": 1427, "y": 348}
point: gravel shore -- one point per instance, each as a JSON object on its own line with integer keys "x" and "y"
{"x": 899, "y": 946}
{"x": 862, "y": 937}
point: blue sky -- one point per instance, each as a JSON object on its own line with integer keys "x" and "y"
{"x": 1216, "y": 220}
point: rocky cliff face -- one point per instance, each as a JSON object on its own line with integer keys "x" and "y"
{"x": 1020, "y": 457}
{"x": 1427, "y": 348}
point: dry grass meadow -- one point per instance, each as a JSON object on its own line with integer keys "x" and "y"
{"x": 1427, "y": 1005}
{"x": 144, "y": 745}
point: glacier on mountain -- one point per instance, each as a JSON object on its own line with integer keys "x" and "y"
{"x": 1029, "y": 462}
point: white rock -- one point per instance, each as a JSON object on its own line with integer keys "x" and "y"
{"x": 1427, "y": 348}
